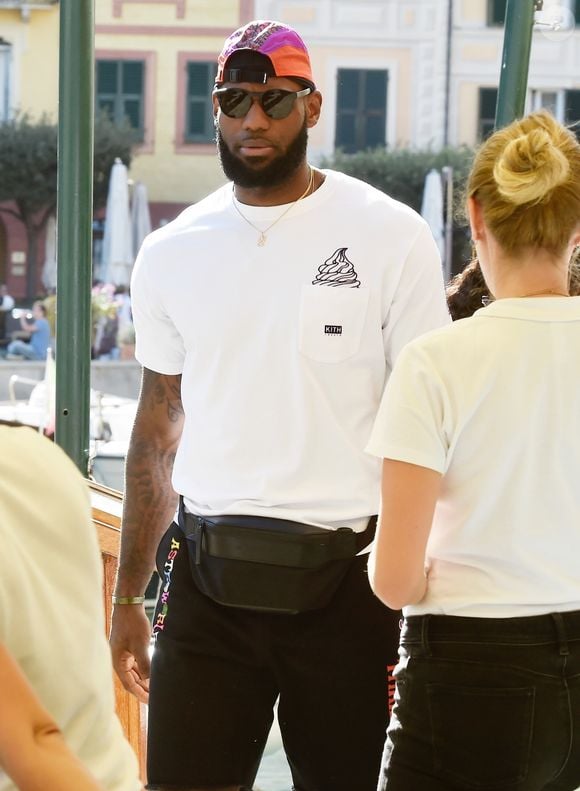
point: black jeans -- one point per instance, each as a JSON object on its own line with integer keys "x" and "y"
{"x": 486, "y": 704}
{"x": 217, "y": 671}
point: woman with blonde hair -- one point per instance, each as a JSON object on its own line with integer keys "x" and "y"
{"x": 479, "y": 537}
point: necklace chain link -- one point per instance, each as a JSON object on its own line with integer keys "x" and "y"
{"x": 263, "y": 233}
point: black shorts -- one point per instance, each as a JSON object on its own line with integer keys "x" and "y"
{"x": 217, "y": 671}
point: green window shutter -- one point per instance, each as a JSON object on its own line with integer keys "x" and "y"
{"x": 107, "y": 75}
{"x": 496, "y": 12}
{"x": 572, "y": 110}
{"x": 132, "y": 112}
{"x": 199, "y": 126}
{"x": 361, "y": 109}
{"x": 487, "y": 104}
{"x": 120, "y": 91}
{"x": 132, "y": 77}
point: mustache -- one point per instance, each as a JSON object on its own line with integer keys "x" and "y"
{"x": 257, "y": 141}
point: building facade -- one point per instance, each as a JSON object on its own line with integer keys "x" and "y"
{"x": 476, "y": 58}
{"x": 381, "y": 65}
{"x": 420, "y": 73}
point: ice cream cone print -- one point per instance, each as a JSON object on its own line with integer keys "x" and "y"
{"x": 337, "y": 271}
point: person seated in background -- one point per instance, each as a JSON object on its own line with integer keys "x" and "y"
{"x": 468, "y": 292}
{"x": 52, "y": 630}
{"x": 6, "y": 301}
{"x": 39, "y": 330}
{"x": 6, "y": 305}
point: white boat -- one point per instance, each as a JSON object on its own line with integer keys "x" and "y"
{"x": 111, "y": 420}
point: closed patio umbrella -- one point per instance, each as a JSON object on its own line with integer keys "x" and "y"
{"x": 432, "y": 208}
{"x": 118, "y": 256}
{"x": 49, "y": 268}
{"x": 140, "y": 217}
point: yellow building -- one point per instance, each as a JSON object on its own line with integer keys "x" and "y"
{"x": 477, "y": 47}
{"x": 155, "y": 64}
{"x": 422, "y": 73}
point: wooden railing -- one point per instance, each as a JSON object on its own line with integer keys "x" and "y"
{"x": 106, "y": 507}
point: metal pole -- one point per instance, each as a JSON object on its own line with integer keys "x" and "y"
{"x": 74, "y": 229}
{"x": 447, "y": 174}
{"x": 513, "y": 83}
{"x": 448, "y": 73}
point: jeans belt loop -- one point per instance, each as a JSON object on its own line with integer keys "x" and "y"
{"x": 424, "y": 635}
{"x": 561, "y": 633}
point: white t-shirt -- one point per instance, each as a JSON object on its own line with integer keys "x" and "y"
{"x": 493, "y": 403}
{"x": 6, "y": 303}
{"x": 284, "y": 349}
{"x": 51, "y": 603}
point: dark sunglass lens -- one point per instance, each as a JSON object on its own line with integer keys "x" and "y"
{"x": 234, "y": 102}
{"x": 278, "y": 104}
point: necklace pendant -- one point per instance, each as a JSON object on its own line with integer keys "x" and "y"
{"x": 261, "y": 240}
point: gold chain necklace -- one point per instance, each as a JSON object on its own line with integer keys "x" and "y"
{"x": 263, "y": 238}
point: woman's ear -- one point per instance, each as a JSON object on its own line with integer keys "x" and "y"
{"x": 476, "y": 222}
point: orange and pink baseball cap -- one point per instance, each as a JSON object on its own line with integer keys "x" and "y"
{"x": 263, "y": 49}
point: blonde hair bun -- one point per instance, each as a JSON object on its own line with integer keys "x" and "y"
{"x": 530, "y": 167}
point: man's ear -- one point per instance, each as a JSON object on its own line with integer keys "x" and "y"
{"x": 215, "y": 106}
{"x": 313, "y": 106}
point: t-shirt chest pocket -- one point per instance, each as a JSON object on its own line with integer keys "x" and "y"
{"x": 331, "y": 322}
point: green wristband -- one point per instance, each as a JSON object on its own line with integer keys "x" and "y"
{"x": 128, "y": 599}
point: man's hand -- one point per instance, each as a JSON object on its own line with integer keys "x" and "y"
{"x": 130, "y": 638}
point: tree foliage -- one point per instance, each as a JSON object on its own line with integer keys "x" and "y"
{"x": 28, "y": 173}
{"x": 401, "y": 172}
{"x": 28, "y": 154}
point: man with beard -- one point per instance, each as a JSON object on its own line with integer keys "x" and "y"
{"x": 267, "y": 317}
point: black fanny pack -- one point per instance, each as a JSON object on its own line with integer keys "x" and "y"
{"x": 272, "y": 565}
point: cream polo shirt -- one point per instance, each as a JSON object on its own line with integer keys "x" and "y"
{"x": 493, "y": 403}
{"x": 51, "y": 603}
{"x": 284, "y": 349}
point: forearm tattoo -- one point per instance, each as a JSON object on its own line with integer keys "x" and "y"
{"x": 150, "y": 500}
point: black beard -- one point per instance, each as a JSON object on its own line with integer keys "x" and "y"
{"x": 271, "y": 175}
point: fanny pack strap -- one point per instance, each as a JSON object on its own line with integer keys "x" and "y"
{"x": 266, "y": 544}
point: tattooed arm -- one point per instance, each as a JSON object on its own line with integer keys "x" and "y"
{"x": 149, "y": 505}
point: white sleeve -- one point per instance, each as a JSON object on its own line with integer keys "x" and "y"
{"x": 419, "y": 303}
{"x": 158, "y": 344}
{"x": 410, "y": 424}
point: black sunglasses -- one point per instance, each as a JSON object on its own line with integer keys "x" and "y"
{"x": 276, "y": 103}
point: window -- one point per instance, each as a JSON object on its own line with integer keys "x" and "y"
{"x": 572, "y": 109}
{"x": 120, "y": 92}
{"x": 487, "y": 104}
{"x": 5, "y": 56}
{"x": 198, "y": 112}
{"x": 551, "y": 100}
{"x": 361, "y": 109}
{"x": 496, "y": 12}
{"x": 576, "y": 11}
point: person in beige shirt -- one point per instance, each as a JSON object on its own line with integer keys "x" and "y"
{"x": 58, "y": 727}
